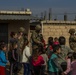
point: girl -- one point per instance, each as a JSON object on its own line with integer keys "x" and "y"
{"x": 44, "y": 66}
{"x": 14, "y": 57}
{"x": 3, "y": 60}
{"x": 13, "y": 38}
{"x": 69, "y": 59}
{"x": 25, "y": 58}
{"x": 56, "y": 42}
{"x": 73, "y": 65}
{"x": 37, "y": 61}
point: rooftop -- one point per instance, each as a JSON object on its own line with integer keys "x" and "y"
{"x": 63, "y": 22}
{"x": 26, "y": 12}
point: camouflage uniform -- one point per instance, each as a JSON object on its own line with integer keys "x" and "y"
{"x": 64, "y": 51}
{"x": 20, "y": 47}
{"x": 62, "y": 56}
{"x": 72, "y": 39}
{"x": 20, "y": 43}
{"x": 36, "y": 37}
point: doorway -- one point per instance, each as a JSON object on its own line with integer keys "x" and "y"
{"x": 4, "y": 32}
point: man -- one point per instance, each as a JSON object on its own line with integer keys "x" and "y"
{"x": 72, "y": 39}
{"x": 20, "y": 42}
{"x": 36, "y": 37}
{"x": 20, "y": 47}
{"x": 64, "y": 51}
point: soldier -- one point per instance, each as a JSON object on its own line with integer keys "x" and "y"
{"x": 64, "y": 51}
{"x": 72, "y": 39}
{"x": 36, "y": 37}
{"x": 20, "y": 47}
{"x": 20, "y": 36}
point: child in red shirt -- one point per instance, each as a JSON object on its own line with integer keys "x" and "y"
{"x": 56, "y": 42}
{"x": 37, "y": 61}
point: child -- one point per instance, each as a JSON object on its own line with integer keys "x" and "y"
{"x": 3, "y": 60}
{"x": 50, "y": 47}
{"x": 37, "y": 61}
{"x": 73, "y": 65}
{"x": 14, "y": 57}
{"x": 44, "y": 66}
{"x": 69, "y": 59}
{"x": 13, "y": 38}
{"x": 25, "y": 58}
{"x": 56, "y": 42}
{"x": 53, "y": 64}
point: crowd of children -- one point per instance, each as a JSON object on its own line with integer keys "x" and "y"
{"x": 55, "y": 58}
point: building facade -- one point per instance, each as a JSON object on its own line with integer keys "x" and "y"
{"x": 12, "y": 21}
{"x": 57, "y": 28}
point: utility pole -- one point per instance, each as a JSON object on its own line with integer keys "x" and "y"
{"x": 45, "y": 15}
{"x": 55, "y": 18}
{"x": 75, "y": 18}
{"x": 65, "y": 16}
{"x": 50, "y": 14}
{"x": 42, "y": 15}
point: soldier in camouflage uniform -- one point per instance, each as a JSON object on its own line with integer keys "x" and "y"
{"x": 36, "y": 37}
{"x": 20, "y": 46}
{"x": 72, "y": 39}
{"x": 20, "y": 41}
{"x": 64, "y": 51}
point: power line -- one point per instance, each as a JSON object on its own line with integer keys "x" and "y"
{"x": 63, "y": 13}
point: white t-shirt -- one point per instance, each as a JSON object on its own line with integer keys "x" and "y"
{"x": 26, "y": 54}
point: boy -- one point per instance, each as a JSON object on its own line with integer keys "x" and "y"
{"x": 53, "y": 64}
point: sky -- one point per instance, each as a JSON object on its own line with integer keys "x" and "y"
{"x": 38, "y": 6}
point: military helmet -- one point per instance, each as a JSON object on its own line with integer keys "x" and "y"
{"x": 21, "y": 29}
{"x": 38, "y": 27}
{"x": 72, "y": 31}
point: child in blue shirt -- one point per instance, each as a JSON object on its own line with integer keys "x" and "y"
{"x": 53, "y": 64}
{"x": 3, "y": 60}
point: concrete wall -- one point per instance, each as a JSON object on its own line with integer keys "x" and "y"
{"x": 57, "y": 28}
